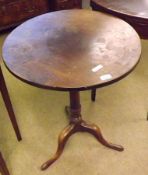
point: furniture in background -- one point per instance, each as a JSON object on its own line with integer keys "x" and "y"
{"x": 82, "y": 57}
{"x": 6, "y": 98}
{"x": 8, "y": 105}
{"x": 133, "y": 12}
{"x": 3, "y": 166}
{"x": 14, "y": 12}
{"x": 66, "y": 4}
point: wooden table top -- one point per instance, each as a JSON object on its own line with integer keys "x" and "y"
{"x": 72, "y": 50}
{"x": 133, "y": 8}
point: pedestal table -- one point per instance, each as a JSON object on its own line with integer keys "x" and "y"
{"x": 72, "y": 50}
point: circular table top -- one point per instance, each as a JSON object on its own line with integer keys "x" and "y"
{"x": 133, "y": 8}
{"x": 72, "y": 50}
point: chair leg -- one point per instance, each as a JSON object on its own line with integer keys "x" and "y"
{"x": 3, "y": 167}
{"x": 93, "y": 94}
{"x": 8, "y": 105}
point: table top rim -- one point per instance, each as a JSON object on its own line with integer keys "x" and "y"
{"x": 72, "y": 88}
{"x": 83, "y": 88}
{"x": 123, "y": 13}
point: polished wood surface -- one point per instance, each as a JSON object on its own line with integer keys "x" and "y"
{"x": 134, "y": 12}
{"x": 87, "y": 49}
{"x": 3, "y": 166}
{"x": 72, "y": 50}
{"x": 133, "y": 8}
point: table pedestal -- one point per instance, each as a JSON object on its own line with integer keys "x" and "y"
{"x": 77, "y": 124}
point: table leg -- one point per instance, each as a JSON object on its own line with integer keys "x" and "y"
{"x": 3, "y": 167}
{"x": 93, "y": 94}
{"x": 8, "y": 105}
{"x": 77, "y": 125}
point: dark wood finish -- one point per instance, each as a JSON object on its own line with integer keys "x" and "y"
{"x": 14, "y": 12}
{"x": 3, "y": 167}
{"x": 77, "y": 125}
{"x": 134, "y": 12}
{"x": 67, "y": 4}
{"x": 49, "y": 56}
{"x": 93, "y": 94}
{"x": 8, "y": 105}
{"x": 87, "y": 50}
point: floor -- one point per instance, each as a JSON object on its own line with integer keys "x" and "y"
{"x": 120, "y": 110}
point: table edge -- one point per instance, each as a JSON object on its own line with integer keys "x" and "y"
{"x": 77, "y": 88}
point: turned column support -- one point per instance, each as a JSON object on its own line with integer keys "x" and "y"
{"x": 76, "y": 124}
{"x": 75, "y": 107}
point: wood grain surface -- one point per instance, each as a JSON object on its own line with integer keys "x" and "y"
{"x": 132, "y": 8}
{"x": 133, "y": 12}
{"x": 72, "y": 50}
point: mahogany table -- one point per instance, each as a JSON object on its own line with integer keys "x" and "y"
{"x": 132, "y": 11}
{"x": 72, "y": 51}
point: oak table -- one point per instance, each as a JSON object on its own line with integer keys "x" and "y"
{"x": 72, "y": 50}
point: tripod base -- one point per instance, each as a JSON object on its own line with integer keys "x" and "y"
{"x": 77, "y": 125}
